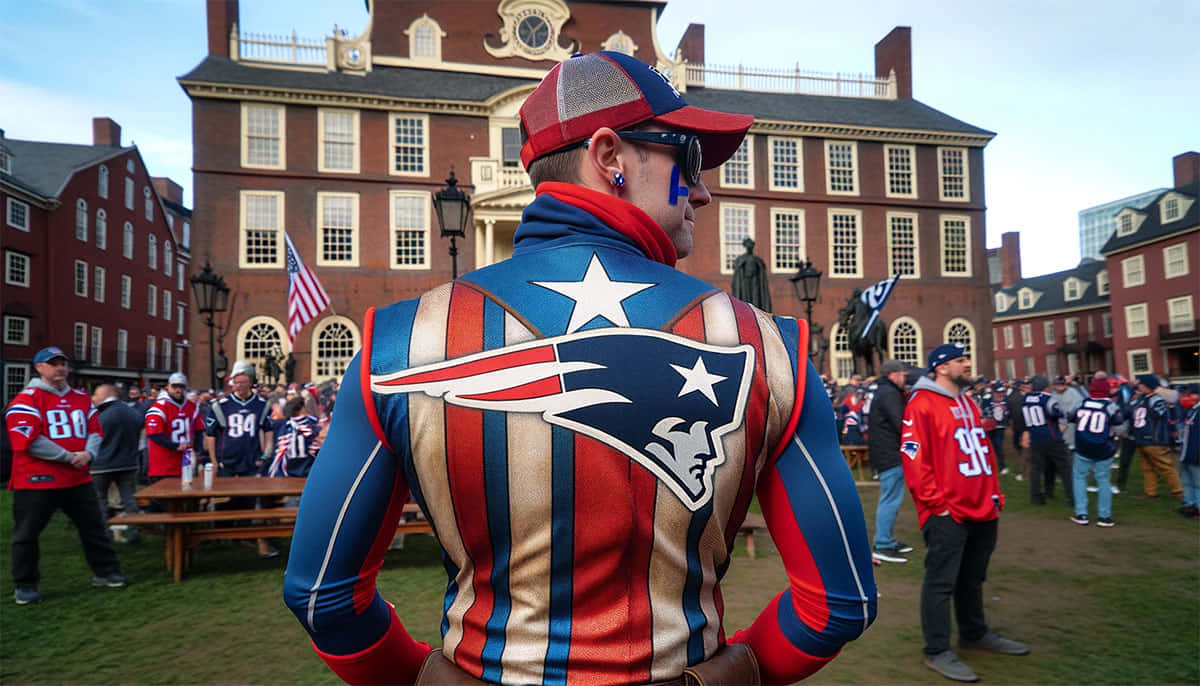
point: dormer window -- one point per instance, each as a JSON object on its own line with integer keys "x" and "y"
{"x": 619, "y": 42}
{"x": 1073, "y": 289}
{"x": 1128, "y": 221}
{"x": 1172, "y": 206}
{"x": 1102, "y": 282}
{"x": 1170, "y": 211}
{"x": 1003, "y": 301}
{"x": 5, "y": 160}
{"x": 425, "y": 39}
{"x": 1025, "y": 298}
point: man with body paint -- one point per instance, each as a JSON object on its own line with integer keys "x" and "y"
{"x": 584, "y": 427}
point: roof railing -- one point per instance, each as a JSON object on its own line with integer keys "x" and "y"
{"x": 277, "y": 49}
{"x": 790, "y": 80}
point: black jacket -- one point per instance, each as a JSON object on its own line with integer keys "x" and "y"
{"x": 122, "y": 427}
{"x": 887, "y": 415}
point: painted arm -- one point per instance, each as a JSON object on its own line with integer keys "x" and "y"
{"x": 813, "y": 512}
{"x": 348, "y": 514}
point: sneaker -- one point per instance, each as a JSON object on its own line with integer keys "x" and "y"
{"x": 24, "y": 595}
{"x": 903, "y": 547}
{"x": 1019, "y": 477}
{"x": 114, "y": 580}
{"x": 1080, "y": 519}
{"x": 888, "y": 555}
{"x": 1004, "y": 472}
{"x": 1116, "y": 490}
{"x": 1106, "y": 522}
{"x": 1093, "y": 489}
{"x": 994, "y": 642}
{"x": 948, "y": 665}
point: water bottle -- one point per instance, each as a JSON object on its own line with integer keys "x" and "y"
{"x": 187, "y": 471}
{"x": 208, "y": 476}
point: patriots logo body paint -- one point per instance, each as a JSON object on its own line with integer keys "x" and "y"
{"x": 677, "y": 190}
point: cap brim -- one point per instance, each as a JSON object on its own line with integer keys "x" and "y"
{"x": 720, "y": 132}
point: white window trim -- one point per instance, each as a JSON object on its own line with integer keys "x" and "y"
{"x": 854, "y": 168}
{"x": 99, "y": 283}
{"x": 10, "y": 392}
{"x": 152, "y": 300}
{"x": 86, "y": 279}
{"x": 281, "y": 114}
{"x": 179, "y": 315}
{"x": 147, "y": 203}
{"x": 95, "y": 345}
{"x": 1135, "y": 221}
{"x": 128, "y": 237}
{"x": 101, "y": 229}
{"x": 8, "y": 214}
{"x": 800, "y": 212}
{"x": 771, "y": 164}
{"x": 79, "y": 339}
{"x": 122, "y": 347}
{"x": 129, "y": 200}
{"x": 969, "y": 257}
{"x": 1189, "y": 321}
{"x": 1183, "y": 202}
{"x": 1004, "y": 301}
{"x": 391, "y": 144}
{"x": 321, "y": 166}
{"x": 1027, "y": 335}
{"x": 970, "y": 330}
{"x": 426, "y": 262}
{"x": 284, "y": 345}
{"x": 28, "y": 268}
{"x": 126, "y": 291}
{"x": 913, "y": 176}
{"x": 749, "y": 142}
{"x": 966, "y": 176}
{"x": 438, "y": 35}
{"x": 81, "y": 228}
{"x": 24, "y": 339}
{"x": 279, "y": 243}
{"x": 166, "y": 306}
{"x": 1129, "y": 354}
{"x": 1008, "y": 337}
{"x": 920, "y": 336}
{"x": 1129, "y": 310}
{"x": 1102, "y": 284}
{"x": 315, "y": 336}
{"x": 1106, "y": 324}
{"x": 354, "y": 230}
{"x": 1080, "y": 288}
{"x": 1182, "y": 247}
{"x": 1048, "y": 331}
{"x": 916, "y": 244}
{"x": 752, "y": 235}
{"x": 1126, "y": 268}
{"x": 102, "y": 179}
{"x": 858, "y": 260}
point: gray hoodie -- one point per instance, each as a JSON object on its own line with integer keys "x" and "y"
{"x": 46, "y": 449}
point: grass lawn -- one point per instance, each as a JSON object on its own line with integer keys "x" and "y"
{"x": 1098, "y": 606}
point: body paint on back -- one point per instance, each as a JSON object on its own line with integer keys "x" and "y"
{"x": 676, "y": 190}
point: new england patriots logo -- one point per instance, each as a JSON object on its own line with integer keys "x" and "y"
{"x": 910, "y": 449}
{"x": 662, "y": 400}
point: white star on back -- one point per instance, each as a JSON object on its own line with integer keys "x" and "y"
{"x": 595, "y": 295}
{"x": 699, "y": 379}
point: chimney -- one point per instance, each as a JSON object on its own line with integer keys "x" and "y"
{"x": 106, "y": 132}
{"x": 1187, "y": 168}
{"x": 691, "y": 46}
{"x": 168, "y": 189}
{"x": 1010, "y": 258}
{"x": 894, "y": 53}
{"x": 222, "y": 16}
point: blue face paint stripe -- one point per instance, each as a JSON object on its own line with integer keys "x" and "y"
{"x": 691, "y": 586}
{"x": 562, "y": 554}
{"x": 495, "y": 487}
{"x": 677, "y": 190}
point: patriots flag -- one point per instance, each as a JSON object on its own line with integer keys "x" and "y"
{"x": 306, "y": 297}
{"x": 663, "y": 400}
{"x": 875, "y": 297}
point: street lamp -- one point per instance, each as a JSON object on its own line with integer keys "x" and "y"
{"x": 453, "y": 212}
{"x": 807, "y": 285}
{"x": 212, "y": 296}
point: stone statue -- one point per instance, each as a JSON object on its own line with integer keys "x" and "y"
{"x": 289, "y": 368}
{"x": 271, "y": 368}
{"x": 751, "y": 283}
{"x": 853, "y": 318}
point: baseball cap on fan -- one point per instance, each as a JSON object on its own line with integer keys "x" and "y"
{"x": 587, "y": 92}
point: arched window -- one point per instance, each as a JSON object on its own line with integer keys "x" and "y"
{"x": 841, "y": 362}
{"x": 148, "y": 202}
{"x": 102, "y": 182}
{"x": 127, "y": 242}
{"x": 101, "y": 229}
{"x": 959, "y": 330}
{"x": 168, "y": 258}
{"x": 334, "y": 342}
{"x": 258, "y": 336}
{"x": 904, "y": 340}
{"x": 425, "y": 39}
{"x": 152, "y": 251}
{"x": 81, "y": 219}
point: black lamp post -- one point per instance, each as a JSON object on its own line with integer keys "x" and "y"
{"x": 453, "y": 207}
{"x": 807, "y": 285}
{"x": 212, "y": 296}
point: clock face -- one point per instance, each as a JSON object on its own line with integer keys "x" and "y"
{"x": 534, "y": 32}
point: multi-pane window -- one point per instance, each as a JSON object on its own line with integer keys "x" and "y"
{"x": 179, "y": 276}
{"x": 128, "y": 193}
{"x": 952, "y": 174}
{"x": 841, "y": 167}
{"x": 97, "y": 345}
{"x": 738, "y": 170}
{"x": 262, "y": 136}
{"x": 16, "y": 268}
{"x": 842, "y": 360}
{"x": 737, "y": 224}
{"x": 127, "y": 241}
{"x": 1071, "y": 289}
{"x": 1106, "y": 324}
{"x": 901, "y": 171}
{"x": 335, "y": 348}
{"x": 1026, "y": 335}
{"x": 959, "y": 331}
{"x": 338, "y": 145}
{"x": 81, "y": 278}
{"x": 81, "y": 220}
{"x": 510, "y": 147}
{"x": 338, "y": 231}
{"x": 1170, "y": 210}
{"x": 1136, "y": 321}
{"x": 1029, "y": 367}
{"x": 1139, "y": 361}
{"x": 122, "y": 347}
{"x": 410, "y": 144}
{"x": 1175, "y": 260}
{"x": 1008, "y": 338}
{"x": 166, "y": 304}
{"x": 168, "y": 257}
{"x": 152, "y": 251}
{"x": 1102, "y": 282}
{"x": 906, "y": 342}
{"x": 787, "y": 240}
{"x": 1125, "y": 224}
{"x": 1052, "y": 365}
{"x": 80, "y": 340}
{"x": 179, "y": 318}
{"x": 18, "y": 214}
{"x": 166, "y": 353}
{"x": 101, "y": 229}
{"x": 16, "y": 330}
{"x": 262, "y": 224}
{"x": 1048, "y": 331}
{"x": 151, "y": 300}
{"x": 148, "y": 203}
{"x": 1071, "y": 330}
{"x": 845, "y": 244}
{"x": 259, "y": 340}
{"x": 99, "y": 284}
{"x": 786, "y": 171}
{"x": 1179, "y": 314}
{"x": 1133, "y": 271}
{"x": 956, "y": 246}
{"x": 423, "y": 43}
{"x": 1010, "y": 366}
{"x": 902, "y": 244}
{"x": 102, "y": 181}
{"x": 151, "y": 352}
{"x": 410, "y": 230}
{"x": 126, "y": 290}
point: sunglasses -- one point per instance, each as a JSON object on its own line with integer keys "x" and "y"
{"x": 689, "y": 156}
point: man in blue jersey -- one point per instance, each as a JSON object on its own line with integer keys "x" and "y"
{"x": 1151, "y": 431}
{"x": 1094, "y": 422}
{"x": 1041, "y": 415}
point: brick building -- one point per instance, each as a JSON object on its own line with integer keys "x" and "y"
{"x": 91, "y": 262}
{"x": 341, "y": 142}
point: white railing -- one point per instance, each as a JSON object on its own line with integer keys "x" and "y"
{"x": 794, "y": 80}
{"x": 263, "y": 47}
{"x": 513, "y": 176}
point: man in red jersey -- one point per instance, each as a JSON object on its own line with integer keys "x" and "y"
{"x": 172, "y": 425}
{"x": 951, "y": 473}
{"x": 55, "y": 434}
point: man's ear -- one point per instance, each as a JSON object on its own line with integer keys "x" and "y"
{"x": 601, "y": 157}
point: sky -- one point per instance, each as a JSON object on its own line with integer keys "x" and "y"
{"x": 1090, "y": 100}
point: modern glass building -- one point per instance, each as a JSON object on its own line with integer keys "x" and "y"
{"x": 1097, "y": 223}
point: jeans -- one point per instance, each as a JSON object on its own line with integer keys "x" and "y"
{"x": 126, "y": 482}
{"x": 891, "y": 492}
{"x": 1045, "y": 455}
{"x": 997, "y": 438}
{"x": 32, "y": 510}
{"x": 1127, "y": 455}
{"x": 1101, "y": 469}
{"x": 1189, "y": 474}
{"x": 956, "y": 564}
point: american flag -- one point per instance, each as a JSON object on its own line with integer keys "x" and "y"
{"x": 306, "y": 297}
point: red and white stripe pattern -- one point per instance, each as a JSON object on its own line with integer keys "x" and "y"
{"x": 306, "y": 297}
